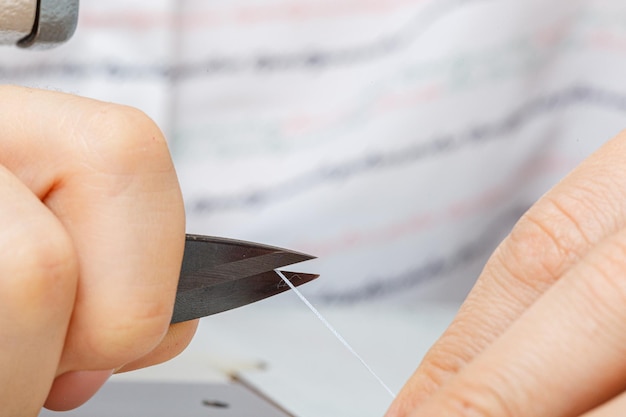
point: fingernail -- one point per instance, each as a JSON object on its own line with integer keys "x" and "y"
{"x": 73, "y": 389}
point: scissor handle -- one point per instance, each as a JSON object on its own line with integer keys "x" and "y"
{"x": 55, "y": 23}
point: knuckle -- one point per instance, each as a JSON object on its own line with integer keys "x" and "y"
{"x": 128, "y": 333}
{"x": 544, "y": 243}
{"x": 124, "y": 140}
{"x": 478, "y": 400}
{"x": 38, "y": 269}
{"x": 440, "y": 364}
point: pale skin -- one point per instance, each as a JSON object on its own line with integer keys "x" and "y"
{"x": 92, "y": 237}
{"x": 543, "y": 332}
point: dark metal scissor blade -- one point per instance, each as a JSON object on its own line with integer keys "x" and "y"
{"x": 219, "y": 274}
{"x": 207, "y": 253}
{"x": 238, "y": 269}
{"x": 219, "y": 295}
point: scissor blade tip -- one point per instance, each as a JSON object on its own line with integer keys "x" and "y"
{"x": 301, "y": 256}
{"x": 308, "y": 257}
{"x": 298, "y": 278}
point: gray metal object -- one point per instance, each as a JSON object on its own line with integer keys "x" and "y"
{"x": 220, "y": 274}
{"x": 152, "y": 399}
{"x": 17, "y": 18}
{"x": 37, "y": 24}
{"x": 54, "y": 24}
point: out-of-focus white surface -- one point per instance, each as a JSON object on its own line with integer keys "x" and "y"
{"x": 290, "y": 356}
{"x": 397, "y": 147}
{"x": 397, "y": 140}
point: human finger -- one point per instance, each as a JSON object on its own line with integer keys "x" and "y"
{"x": 175, "y": 341}
{"x": 106, "y": 174}
{"x": 38, "y": 276}
{"x": 124, "y": 211}
{"x": 588, "y": 205}
{"x": 562, "y": 357}
{"x": 72, "y": 389}
{"x": 615, "y": 407}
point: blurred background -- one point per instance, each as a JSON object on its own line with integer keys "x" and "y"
{"x": 397, "y": 140}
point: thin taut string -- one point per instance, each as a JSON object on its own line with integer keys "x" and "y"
{"x": 335, "y": 332}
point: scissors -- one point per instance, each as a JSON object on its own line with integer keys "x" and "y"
{"x": 220, "y": 274}
{"x": 37, "y": 24}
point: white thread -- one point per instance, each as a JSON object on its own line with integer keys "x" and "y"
{"x": 334, "y": 332}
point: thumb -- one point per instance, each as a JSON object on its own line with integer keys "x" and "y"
{"x": 73, "y": 389}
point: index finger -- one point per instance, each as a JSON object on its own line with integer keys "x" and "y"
{"x": 106, "y": 173}
{"x": 560, "y": 229}
{"x": 562, "y": 357}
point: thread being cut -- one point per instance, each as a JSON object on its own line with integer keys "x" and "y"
{"x": 335, "y": 332}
